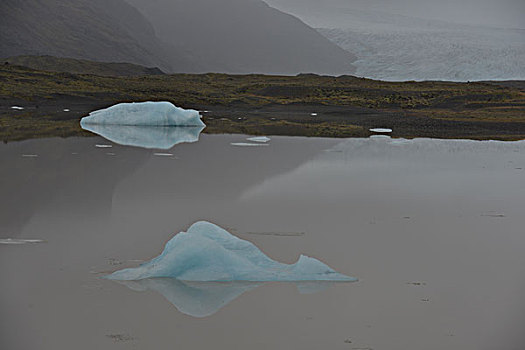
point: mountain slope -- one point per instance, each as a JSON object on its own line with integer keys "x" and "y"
{"x": 101, "y": 30}
{"x": 79, "y": 66}
{"x": 243, "y": 36}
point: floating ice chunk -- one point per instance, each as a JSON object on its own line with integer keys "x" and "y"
{"x": 207, "y": 252}
{"x": 66, "y": 109}
{"x": 262, "y": 139}
{"x": 246, "y": 144}
{"x": 151, "y": 137}
{"x": 144, "y": 113}
{"x": 163, "y": 154}
{"x": 17, "y": 108}
{"x": 313, "y": 114}
{"x": 19, "y": 241}
{"x": 385, "y": 130}
{"x": 103, "y": 146}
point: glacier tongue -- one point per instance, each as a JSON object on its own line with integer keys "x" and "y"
{"x": 144, "y": 113}
{"x": 207, "y": 252}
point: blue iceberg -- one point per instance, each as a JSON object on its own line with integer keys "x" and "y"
{"x": 144, "y": 113}
{"x": 207, "y": 252}
{"x": 157, "y": 137}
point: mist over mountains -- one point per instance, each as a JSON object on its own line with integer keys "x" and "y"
{"x": 230, "y": 36}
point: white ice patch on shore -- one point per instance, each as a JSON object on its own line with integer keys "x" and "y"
{"x": 262, "y": 139}
{"x": 19, "y": 241}
{"x": 207, "y": 252}
{"x": 381, "y": 130}
{"x": 144, "y": 114}
{"x": 246, "y": 144}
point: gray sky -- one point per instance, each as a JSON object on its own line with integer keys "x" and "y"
{"x": 328, "y": 13}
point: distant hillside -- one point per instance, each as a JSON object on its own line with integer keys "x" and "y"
{"x": 78, "y": 66}
{"x": 100, "y": 30}
{"x": 243, "y": 36}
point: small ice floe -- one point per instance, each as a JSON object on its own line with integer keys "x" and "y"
{"x": 18, "y": 108}
{"x": 111, "y": 154}
{"x": 19, "y": 241}
{"x": 163, "y": 154}
{"x": 381, "y": 130}
{"x": 144, "y": 113}
{"x": 262, "y": 139}
{"x": 206, "y": 252}
{"x": 103, "y": 146}
{"x": 313, "y": 114}
{"x": 246, "y": 144}
{"x": 66, "y": 109}
{"x": 30, "y": 155}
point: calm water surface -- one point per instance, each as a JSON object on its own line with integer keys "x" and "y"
{"x": 434, "y": 230}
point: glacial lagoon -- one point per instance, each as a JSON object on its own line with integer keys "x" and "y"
{"x": 433, "y": 229}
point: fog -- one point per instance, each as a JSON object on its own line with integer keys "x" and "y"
{"x": 330, "y": 13}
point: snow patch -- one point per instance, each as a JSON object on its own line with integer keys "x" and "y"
{"x": 207, "y": 252}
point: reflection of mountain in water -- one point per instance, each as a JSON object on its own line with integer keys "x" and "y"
{"x": 202, "y": 299}
{"x": 146, "y": 136}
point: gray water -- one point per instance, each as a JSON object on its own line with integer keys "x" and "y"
{"x": 433, "y": 229}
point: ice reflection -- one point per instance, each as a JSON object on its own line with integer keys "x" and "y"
{"x": 154, "y": 137}
{"x": 203, "y": 299}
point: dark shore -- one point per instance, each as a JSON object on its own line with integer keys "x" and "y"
{"x": 276, "y": 105}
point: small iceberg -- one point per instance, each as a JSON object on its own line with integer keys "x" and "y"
{"x": 247, "y": 144}
{"x": 385, "y": 130}
{"x": 18, "y": 108}
{"x": 19, "y": 241}
{"x": 144, "y": 114}
{"x": 149, "y": 137}
{"x": 208, "y": 253}
{"x": 262, "y": 139}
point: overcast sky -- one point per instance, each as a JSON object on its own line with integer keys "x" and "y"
{"x": 327, "y": 13}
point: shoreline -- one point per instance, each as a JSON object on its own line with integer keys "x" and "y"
{"x": 304, "y": 105}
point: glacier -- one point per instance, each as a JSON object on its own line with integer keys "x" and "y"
{"x": 206, "y": 252}
{"x": 149, "y": 113}
{"x": 149, "y": 137}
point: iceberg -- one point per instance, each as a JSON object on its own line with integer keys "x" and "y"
{"x": 150, "y": 137}
{"x": 385, "y": 130}
{"x": 207, "y": 252}
{"x": 144, "y": 113}
{"x": 262, "y": 139}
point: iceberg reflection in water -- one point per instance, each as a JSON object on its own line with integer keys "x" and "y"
{"x": 151, "y": 137}
{"x": 203, "y": 299}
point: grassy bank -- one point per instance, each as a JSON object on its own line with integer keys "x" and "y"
{"x": 259, "y": 104}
